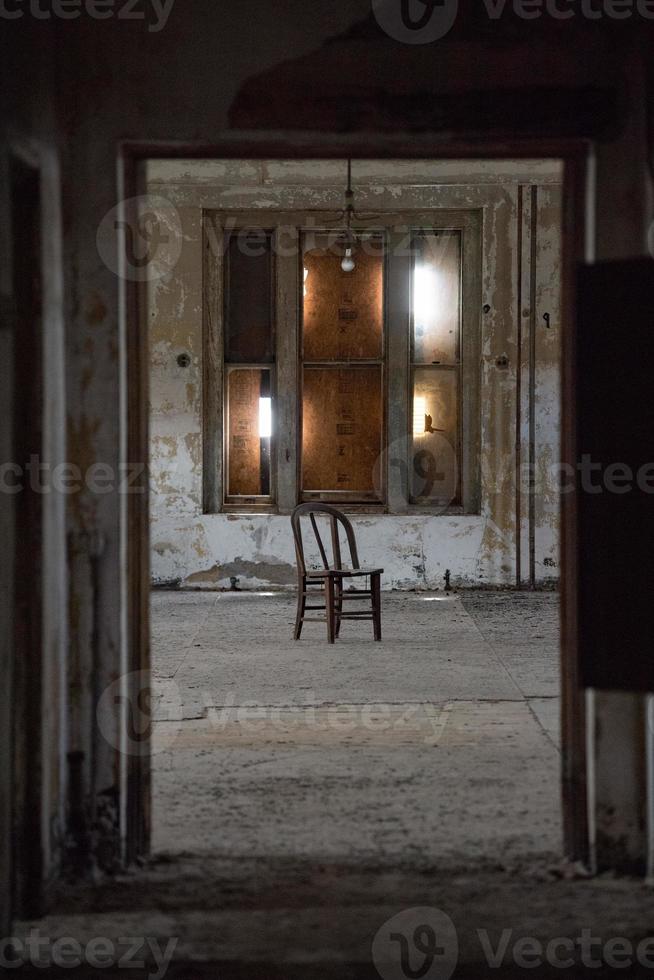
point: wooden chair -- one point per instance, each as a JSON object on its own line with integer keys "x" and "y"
{"x": 332, "y": 577}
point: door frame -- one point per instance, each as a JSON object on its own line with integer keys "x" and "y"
{"x": 22, "y": 860}
{"x": 257, "y": 146}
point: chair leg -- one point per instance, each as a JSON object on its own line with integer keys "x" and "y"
{"x": 375, "y": 588}
{"x": 339, "y": 606}
{"x": 301, "y": 603}
{"x": 329, "y": 602}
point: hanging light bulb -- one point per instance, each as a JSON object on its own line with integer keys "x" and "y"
{"x": 348, "y": 264}
{"x": 349, "y": 240}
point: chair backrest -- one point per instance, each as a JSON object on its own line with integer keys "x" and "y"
{"x": 310, "y": 510}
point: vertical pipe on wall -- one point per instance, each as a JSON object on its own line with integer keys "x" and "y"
{"x": 518, "y": 406}
{"x": 532, "y": 387}
{"x": 525, "y": 441}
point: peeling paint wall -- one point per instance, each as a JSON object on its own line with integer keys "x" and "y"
{"x": 197, "y": 550}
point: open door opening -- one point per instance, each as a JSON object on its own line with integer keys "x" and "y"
{"x": 221, "y": 552}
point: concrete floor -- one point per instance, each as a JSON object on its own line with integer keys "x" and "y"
{"x": 437, "y": 745}
{"x": 415, "y": 778}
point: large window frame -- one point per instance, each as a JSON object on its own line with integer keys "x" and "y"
{"x": 286, "y": 478}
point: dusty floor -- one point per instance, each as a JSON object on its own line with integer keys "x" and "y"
{"x": 417, "y": 777}
{"x": 439, "y": 744}
{"x": 254, "y": 919}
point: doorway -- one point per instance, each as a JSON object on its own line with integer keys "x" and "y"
{"x": 200, "y": 604}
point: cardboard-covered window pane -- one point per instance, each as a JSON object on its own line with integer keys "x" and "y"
{"x": 434, "y": 469}
{"x": 436, "y": 297}
{"x": 343, "y": 311}
{"x": 342, "y": 424}
{"x": 248, "y": 299}
{"x": 249, "y": 425}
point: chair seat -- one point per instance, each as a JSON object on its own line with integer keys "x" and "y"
{"x": 343, "y": 572}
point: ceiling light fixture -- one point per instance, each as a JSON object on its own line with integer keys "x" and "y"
{"x": 348, "y": 238}
{"x": 348, "y": 264}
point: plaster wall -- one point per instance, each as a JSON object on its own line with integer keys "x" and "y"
{"x": 520, "y": 403}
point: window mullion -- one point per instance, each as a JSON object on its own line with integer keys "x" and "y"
{"x": 398, "y": 324}
{"x": 286, "y": 404}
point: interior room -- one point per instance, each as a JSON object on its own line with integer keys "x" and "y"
{"x": 382, "y": 337}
